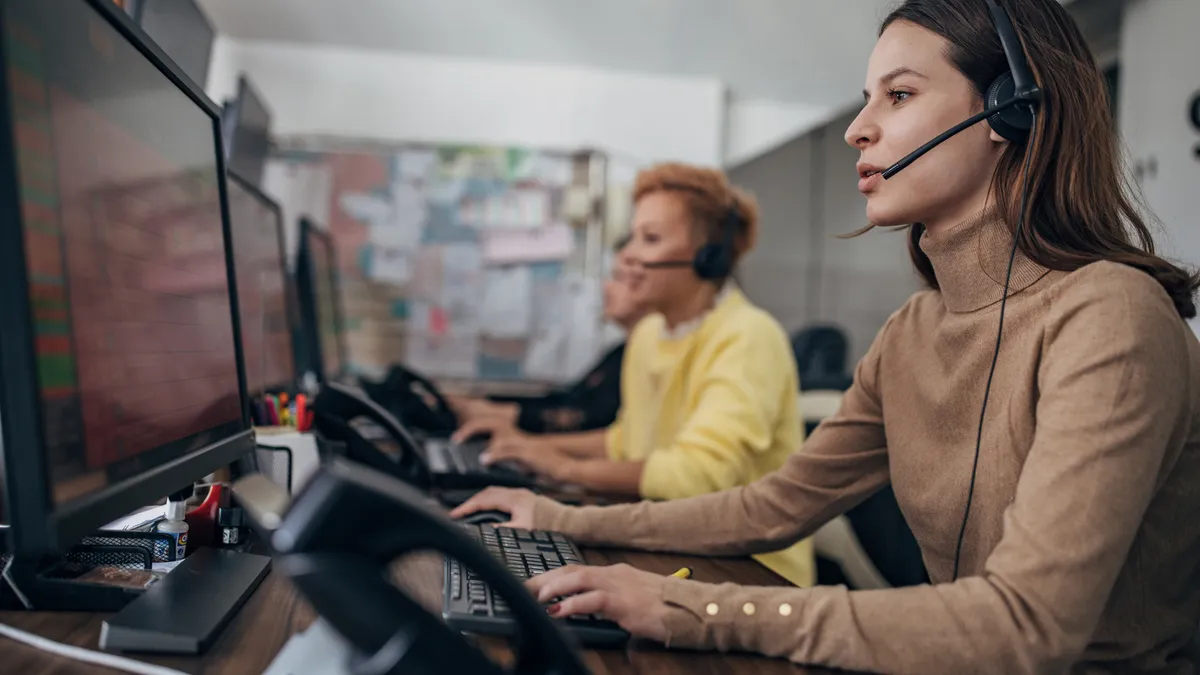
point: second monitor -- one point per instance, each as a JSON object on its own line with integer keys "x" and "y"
{"x": 266, "y": 303}
{"x": 322, "y": 342}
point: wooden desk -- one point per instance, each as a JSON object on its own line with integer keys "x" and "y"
{"x": 275, "y": 612}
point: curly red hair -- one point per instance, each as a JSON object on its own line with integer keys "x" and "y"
{"x": 709, "y": 195}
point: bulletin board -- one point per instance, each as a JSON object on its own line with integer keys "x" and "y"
{"x": 464, "y": 262}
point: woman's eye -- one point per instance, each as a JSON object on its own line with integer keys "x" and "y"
{"x": 898, "y": 96}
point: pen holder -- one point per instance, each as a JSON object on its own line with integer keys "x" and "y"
{"x": 286, "y": 456}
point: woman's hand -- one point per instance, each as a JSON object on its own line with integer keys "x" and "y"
{"x": 624, "y": 594}
{"x": 496, "y": 427}
{"x": 518, "y": 504}
{"x": 469, "y": 408}
{"x": 531, "y": 452}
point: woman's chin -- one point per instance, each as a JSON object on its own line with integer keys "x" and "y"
{"x": 883, "y": 215}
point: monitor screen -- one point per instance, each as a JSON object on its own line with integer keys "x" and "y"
{"x": 124, "y": 249}
{"x": 249, "y": 134}
{"x": 182, "y": 30}
{"x": 263, "y": 304}
{"x": 329, "y": 323}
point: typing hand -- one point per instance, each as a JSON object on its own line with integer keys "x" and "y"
{"x": 624, "y": 594}
{"x": 533, "y": 453}
{"x": 484, "y": 426}
{"x": 517, "y": 503}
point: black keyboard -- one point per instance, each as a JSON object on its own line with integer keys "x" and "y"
{"x": 469, "y": 605}
{"x": 458, "y": 465}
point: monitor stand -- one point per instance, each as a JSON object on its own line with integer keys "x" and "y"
{"x": 180, "y": 614}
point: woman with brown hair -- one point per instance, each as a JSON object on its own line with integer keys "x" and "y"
{"x": 1059, "y": 528}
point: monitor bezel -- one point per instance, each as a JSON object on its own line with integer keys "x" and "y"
{"x": 306, "y": 277}
{"x": 289, "y": 293}
{"x": 36, "y": 524}
{"x": 245, "y": 88}
{"x": 137, "y": 12}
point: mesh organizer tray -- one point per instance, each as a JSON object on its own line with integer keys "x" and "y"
{"x": 120, "y": 548}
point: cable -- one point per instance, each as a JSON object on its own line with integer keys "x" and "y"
{"x": 1012, "y": 255}
{"x": 86, "y": 655}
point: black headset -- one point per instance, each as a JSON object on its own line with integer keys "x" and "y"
{"x": 1010, "y": 107}
{"x": 714, "y": 260}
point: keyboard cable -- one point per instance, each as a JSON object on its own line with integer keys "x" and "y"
{"x": 86, "y": 655}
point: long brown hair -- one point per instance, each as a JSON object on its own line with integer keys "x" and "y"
{"x": 1081, "y": 204}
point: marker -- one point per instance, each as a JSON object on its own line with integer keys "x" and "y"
{"x": 683, "y": 573}
{"x": 273, "y": 407}
{"x": 302, "y": 412}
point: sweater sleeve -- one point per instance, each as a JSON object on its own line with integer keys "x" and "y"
{"x": 1112, "y": 413}
{"x": 843, "y": 462}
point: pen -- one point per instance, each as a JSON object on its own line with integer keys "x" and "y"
{"x": 683, "y": 573}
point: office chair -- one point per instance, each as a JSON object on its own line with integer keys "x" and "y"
{"x": 872, "y": 543}
{"x": 820, "y": 352}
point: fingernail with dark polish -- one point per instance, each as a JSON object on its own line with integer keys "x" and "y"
{"x": 554, "y": 609}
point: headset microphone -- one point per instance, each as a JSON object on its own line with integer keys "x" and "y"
{"x": 714, "y": 260}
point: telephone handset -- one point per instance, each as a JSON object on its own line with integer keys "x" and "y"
{"x": 415, "y": 400}
{"x": 336, "y": 405}
{"x": 336, "y": 543}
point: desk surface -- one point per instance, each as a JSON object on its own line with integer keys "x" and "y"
{"x": 275, "y": 612}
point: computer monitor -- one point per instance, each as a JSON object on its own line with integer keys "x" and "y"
{"x": 120, "y": 371}
{"x": 183, "y": 31}
{"x": 247, "y": 125}
{"x": 266, "y": 303}
{"x": 320, "y": 306}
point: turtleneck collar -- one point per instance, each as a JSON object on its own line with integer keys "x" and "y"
{"x": 970, "y": 260}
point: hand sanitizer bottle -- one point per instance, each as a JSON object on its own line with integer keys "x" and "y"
{"x": 176, "y": 526}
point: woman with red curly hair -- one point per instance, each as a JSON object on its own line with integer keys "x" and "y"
{"x": 708, "y": 385}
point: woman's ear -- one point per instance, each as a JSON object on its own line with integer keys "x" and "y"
{"x": 996, "y": 137}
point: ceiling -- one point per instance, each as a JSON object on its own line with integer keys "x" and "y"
{"x": 795, "y": 51}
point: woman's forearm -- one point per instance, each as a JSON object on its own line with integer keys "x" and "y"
{"x": 606, "y": 476}
{"x": 583, "y": 445}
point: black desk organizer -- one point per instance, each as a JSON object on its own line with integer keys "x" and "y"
{"x": 51, "y": 584}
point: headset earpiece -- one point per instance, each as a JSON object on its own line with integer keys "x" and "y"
{"x": 1014, "y": 122}
{"x": 714, "y": 260}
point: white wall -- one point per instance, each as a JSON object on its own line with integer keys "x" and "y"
{"x": 800, "y": 270}
{"x": 403, "y": 97}
{"x": 1160, "y": 73}
{"x": 756, "y": 127}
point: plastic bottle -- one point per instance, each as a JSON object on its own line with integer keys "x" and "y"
{"x": 176, "y": 526}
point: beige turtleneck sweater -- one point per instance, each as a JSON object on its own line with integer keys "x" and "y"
{"x": 1082, "y": 552}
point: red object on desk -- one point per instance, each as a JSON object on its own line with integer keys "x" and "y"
{"x": 202, "y": 520}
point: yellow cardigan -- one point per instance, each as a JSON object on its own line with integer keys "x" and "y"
{"x": 711, "y": 409}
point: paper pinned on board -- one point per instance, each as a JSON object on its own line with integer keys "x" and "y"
{"x": 391, "y": 265}
{"x": 416, "y": 164}
{"x": 522, "y": 208}
{"x": 394, "y": 223}
{"x": 454, "y": 356}
{"x": 556, "y": 170}
{"x": 507, "y": 307}
{"x": 543, "y": 244}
